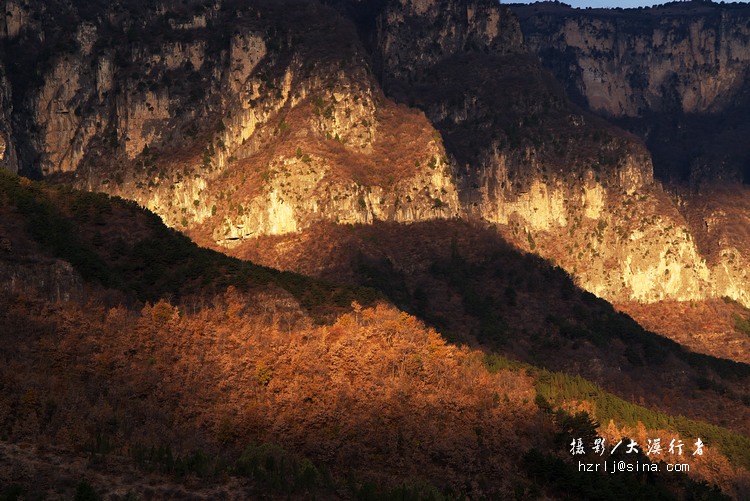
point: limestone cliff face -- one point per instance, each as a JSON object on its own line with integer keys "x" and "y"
{"x": 235, "y": 121}
{"x": 14, "y": 18}
{"x": 333, "y": 159}
{"x": 65, "y": 135}
{"x": 297, "y": 194}
{"x": 56, "y": 280}
{"x": 556, "y": 182}
{"x": 230, "y": 123}
{"x": 625, "y": 63}
{"x": 614, "y": 230}
{"x": 675, "y": 75}
{"x": 718, "y": 217}
{"x": 416, "y": 35}
{"x": 8, "y": 158}
{"x": 23, "y": 269}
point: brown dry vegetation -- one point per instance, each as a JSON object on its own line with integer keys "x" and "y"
{"x": 374, "y": 388}
{"x": 708, "y": 327}
{"x": 473, "y": 286}
{"x": 189, "y": 390}
{"x": 169, "y": 401}
{"x": 401, "y": 137}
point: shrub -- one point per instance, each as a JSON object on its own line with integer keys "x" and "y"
{"x": 85, "y": 492}
{"x": 272, "y": 465}
{"x": 741, "y": 324}
{"x": 263, "y": 374}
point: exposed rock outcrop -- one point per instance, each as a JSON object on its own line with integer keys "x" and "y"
{"x": 416, "y": 35}
{"x": 676, "y": 75}
{"x": 14, "y": 18}
{"x": 692, "y": 58}
{"x": 53, "y": 279}
{"x": 231, "y": 138}
{"x": 246, "y": 120}
{"x": 8, "y": 157}
{"x": 556, "y": 181}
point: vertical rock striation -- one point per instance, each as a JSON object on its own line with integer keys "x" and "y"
{"x": 234, "y": 120}
{"x": 556, "y": 181}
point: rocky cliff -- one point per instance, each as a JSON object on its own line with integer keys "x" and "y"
{"x": 675, "y": 74}
{"x": 554, "y": 179}
{"x": 242, "y": 120}
{"x": 692, "y": 57}
{"x": 234, "y": 121}
{"x": 8, "y": 159}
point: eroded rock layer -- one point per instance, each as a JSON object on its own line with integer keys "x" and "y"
{"x": 235, "y": 120}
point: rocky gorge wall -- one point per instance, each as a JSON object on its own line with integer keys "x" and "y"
{"x": 235, "y": 121}
{"x": 235, "y": 135}
{"x": 675, "y": 75}
{"x": 558, "y": 182}
{"x": 8, "y": 158}
{"x": 692, "y": 58}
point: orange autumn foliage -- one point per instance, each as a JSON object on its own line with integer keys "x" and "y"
{"x": 375, "y": 387}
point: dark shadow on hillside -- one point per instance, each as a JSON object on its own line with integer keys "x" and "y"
{"x": 471, "y": 285}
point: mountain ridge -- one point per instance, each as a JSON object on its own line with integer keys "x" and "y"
{"x": 411, "y": 152}
{"x": 131, "y": 366}
{"x": 292, "y": 131}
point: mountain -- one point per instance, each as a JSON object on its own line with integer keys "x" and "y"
{"x": 242, "y": 120}
{"x": 427, "y": 177}
{"x": 675, "y": 74}
{"x": 235, "y": 380}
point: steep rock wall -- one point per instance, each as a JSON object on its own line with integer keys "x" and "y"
{"x": 14, "y": 18}
{"x": 233, "y": 136}
{"x": 8, "y": 157}
{"x": 244, "y": 121}
{"x": 627, "y": 62}
{"x": 616, "y": 231}
{"x": 557, "y": 182}
{"x": 433, "y": 30}
{"x": 676, "y": 75}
